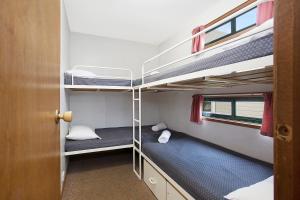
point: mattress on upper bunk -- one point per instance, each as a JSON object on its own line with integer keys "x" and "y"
{"x": 78, "y": 80}
{"x": 111, "y": 137}
{"x": 257, "y": 46}
{"x": 205, "y": 170}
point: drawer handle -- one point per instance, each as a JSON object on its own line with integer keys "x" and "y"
{"x": 152, "y": 181}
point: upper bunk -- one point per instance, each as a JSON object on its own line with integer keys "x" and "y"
{"x": 243, "y": 58}
{"x": 96, "y": 78}
{"x": 246, "y": 58}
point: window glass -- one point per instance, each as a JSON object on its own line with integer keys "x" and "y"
{"x": 218, "y": 33}
{"x": 246, "y": 20}
{"x": 218, "y": 107}
{"x": 245, "y": 109}
{"x": 249, "y": 109}
{"x": 232, "y": 26}
{"x": 207, "y": 106}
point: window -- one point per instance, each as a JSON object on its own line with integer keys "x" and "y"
{"x": 246, "y": 20}
{"x": 244, "y": 109}
{"x": 218, "y": 33}
{"x": 233, "y": 26}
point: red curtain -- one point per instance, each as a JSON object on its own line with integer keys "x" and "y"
{"x": 267, "y": 121}
{"x": 265, "y": 11}
{"x": 196, "y": 112}
{"x": 199, "y": 41}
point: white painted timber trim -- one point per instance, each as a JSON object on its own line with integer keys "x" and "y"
{"x": 244, "y": 66}
{"x": 98, "y": 150}
{"x": 169, "y": 179}
{"x": 98, "y": 87}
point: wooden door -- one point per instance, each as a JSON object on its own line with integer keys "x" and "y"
{"x": 29, "y": 86}
{"x": 287, "y": 99}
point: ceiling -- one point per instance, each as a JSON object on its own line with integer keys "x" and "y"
{"x": 146, "y": 21}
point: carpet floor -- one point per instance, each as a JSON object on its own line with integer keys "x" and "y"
{"x": 104, "y": 176}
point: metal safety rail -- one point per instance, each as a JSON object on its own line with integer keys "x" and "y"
{"x": 129, "y": 77}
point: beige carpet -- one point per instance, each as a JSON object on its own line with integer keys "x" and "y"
{"x": 104, "y": 176}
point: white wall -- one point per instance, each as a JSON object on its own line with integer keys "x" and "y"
{"x": 203, "y": 18}
{"x": 110, "y": 109}
{"x": 64, "y": 98}
{"x": 175, "y": 110}
{"x": 101, "y": 51}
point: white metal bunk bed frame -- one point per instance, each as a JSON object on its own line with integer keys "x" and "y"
{"x": 249, "y": 65}
{"x": 101, "y": 87}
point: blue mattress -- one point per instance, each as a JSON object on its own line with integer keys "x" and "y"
{"x": 204, "y": 170}
{"x": 94, "y": 81}
{"x": 111, "y": 137}
{"x": 255, "y": 48}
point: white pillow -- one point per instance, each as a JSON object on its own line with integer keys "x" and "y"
{"x": 262, "y": 190}
{"x": 164, "y": 137}
{"x": 159, "y": 126}
{"x": 82, "y": 133}
{"x": 82, "y": 73}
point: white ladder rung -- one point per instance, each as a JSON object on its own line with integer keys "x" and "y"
{"x": 136, "y": 120}
{"x": 137, "y": 99}
{"x": 135, "y": 140}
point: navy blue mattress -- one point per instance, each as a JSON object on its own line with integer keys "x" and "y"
{"x": 110, "y": 137}
{"x": 94, "y": 81}
{"x": 204, "y": 170}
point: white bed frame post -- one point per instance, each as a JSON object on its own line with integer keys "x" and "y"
{"x": 137, "y": 142}
{"x": 140, "y": 132}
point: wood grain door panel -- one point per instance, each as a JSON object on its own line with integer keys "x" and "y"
{"x": 287, "y": 98}
{"x": 29, "y": 74}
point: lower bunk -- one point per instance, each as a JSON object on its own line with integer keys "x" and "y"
{"x": 198, "y": 169}
{"x": 193, "y": 168}
{"x": 111, "y": 139}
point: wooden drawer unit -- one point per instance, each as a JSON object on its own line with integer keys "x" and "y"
{"x": 173, "y": 194}
{"x": 155, "y": 181}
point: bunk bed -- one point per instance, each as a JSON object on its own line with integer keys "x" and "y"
{"x": 244, "y": 60}
{"x": 249, "y": 52}
{"x": 97, "y": 78}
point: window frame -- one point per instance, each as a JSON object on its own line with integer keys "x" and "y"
{"x": 233, "y": 116}
{"x": 233, "y": 27}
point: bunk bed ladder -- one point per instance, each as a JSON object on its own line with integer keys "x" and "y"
{"x": 137, "y": 144}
